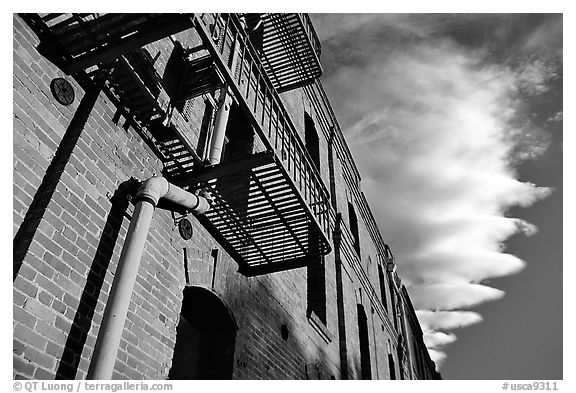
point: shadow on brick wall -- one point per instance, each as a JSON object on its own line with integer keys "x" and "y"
{"x": 43, "y": 196}
{"x": 273, "y": 343}
{"x": 76, "y": 341}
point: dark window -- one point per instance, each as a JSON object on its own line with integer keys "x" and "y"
{"x": 316, "y": 287}
{"x": 391, "y": 366}
{"x": 205, "y": 338}
{"x": 400, "y": 360}
{"x": 419, "y": 364}
{"x": 382, "y": 281}
{"x": 364, "y": 343}
{"x": 316, "y": 275}
{"x": 354, "y": 226}
{"x": 392, "y": 300}
{"x": 312, "y": 141}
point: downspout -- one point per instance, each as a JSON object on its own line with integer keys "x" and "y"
{"x": 221, "y": 121}
{"x": 217, "y": 141}
{"x": 337, "y": 238}
{"x": 343, "y": 348}
{"x": 147, "y": 197}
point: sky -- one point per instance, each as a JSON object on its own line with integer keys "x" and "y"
{"x": 455, "y": 123}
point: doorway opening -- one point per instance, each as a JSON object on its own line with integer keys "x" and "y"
{"x": 205, "y": 338}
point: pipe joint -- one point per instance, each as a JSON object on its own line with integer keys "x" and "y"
{"x": 153, "y": 190}
{"x": 156, "y": 188}
{"x": 195, "y": 203}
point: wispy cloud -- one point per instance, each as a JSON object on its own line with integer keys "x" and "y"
{"x": 435, "y": 129}
{"x": 451, "y": 296}
{"x": 534, "y": 74}
{"x": 435, "y": 341}
{"x": 558, "y": 116}
{"x": 438, "y": 339}
{"x": 447, "y": 320}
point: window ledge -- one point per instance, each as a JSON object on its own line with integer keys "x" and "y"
{"x": 319, "y": 326}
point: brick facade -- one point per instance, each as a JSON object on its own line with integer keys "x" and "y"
{"x": 76, "y": 169}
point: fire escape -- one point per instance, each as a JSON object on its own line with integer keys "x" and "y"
{"x": 289, "y": 48}
{"x": 284, "y": 221}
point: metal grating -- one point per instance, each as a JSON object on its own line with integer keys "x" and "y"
{"x": 134, "y": 91}
{"x": 289, "y": 48}
{"x": 262, "y": 104}
{"x": 187, "y": 77}
{"x": 272, "y": 232}
{"x": 78, "y": 41}
{"x": 178, "y": 156}
{"x": 222, "y": 34}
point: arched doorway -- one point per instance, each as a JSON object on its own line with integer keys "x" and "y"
{"x": 205, "y": 338}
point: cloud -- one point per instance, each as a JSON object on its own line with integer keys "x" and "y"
{"x": 361, "y": 38}
{"x": 434, "y": 128}
{"x": 436, "y": 342}
{"x": 450, "y": 296}
{"x": 533, "y": 75}
{"x": 339, "y": 27}
{"x": 462, "y": 266}
{"x": 431, "y": 135}
{"x": 434, "y": 323}
{"x": 558, "y": 116}
{"x": 438, "y": 339}
{"x": 447, "y": 320}
{"x": 437, "y": 356}
{"x": 547, "y": 38}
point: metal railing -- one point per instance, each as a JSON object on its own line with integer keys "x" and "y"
{"x": 311, "y": 33}
{"x": 255, "y": 92}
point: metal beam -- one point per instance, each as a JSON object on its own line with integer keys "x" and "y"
{"x": 224, "y": 169}
{"x": 159, "y": 30}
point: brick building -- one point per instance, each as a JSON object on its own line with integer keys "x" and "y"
{"x": 127, "y": 127}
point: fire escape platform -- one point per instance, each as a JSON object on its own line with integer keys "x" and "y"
{"x": 287, "y": 220}
{"x": 189, "y": 74}
{"x": 290, "y": 50}
{"x": 78, "y": 41}
{"x": 265, "y": 226}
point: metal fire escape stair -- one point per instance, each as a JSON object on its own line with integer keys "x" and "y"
{"x": 138, "y": 86}
{"x": 285, "y": 221}
{"x": 83, "y": 40}
{"x": 134, "y": 93}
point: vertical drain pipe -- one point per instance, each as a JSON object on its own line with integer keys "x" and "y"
{"x": 221, "y": 121}
{"x": 217, "y": 141}
{"x": 147, "y": 197}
